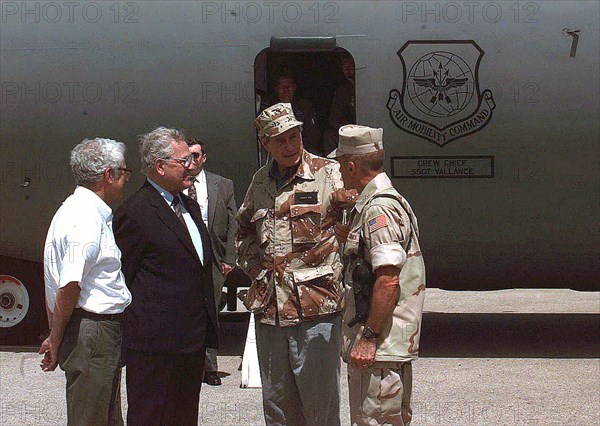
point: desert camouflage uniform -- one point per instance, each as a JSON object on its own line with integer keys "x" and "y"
{"x": 381, "y": 393}
{"x": 287, "y": 224}
{"x": 292, "y": 226}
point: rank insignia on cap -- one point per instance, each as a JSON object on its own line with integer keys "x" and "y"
{"x": 378, "y": 223}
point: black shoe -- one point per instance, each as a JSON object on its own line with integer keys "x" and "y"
{"x": 212, "y": 378}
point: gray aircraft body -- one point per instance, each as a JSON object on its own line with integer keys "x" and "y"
{"x": 490, "y": 111}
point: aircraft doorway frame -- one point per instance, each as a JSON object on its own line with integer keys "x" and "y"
{"x": 315, "y": 63}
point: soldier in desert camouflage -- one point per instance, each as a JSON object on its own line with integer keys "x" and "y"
{"x": 286, "y": 244}
{"x": 383, "y": 258}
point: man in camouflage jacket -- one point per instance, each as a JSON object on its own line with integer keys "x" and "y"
{"x": 286, "y": 244}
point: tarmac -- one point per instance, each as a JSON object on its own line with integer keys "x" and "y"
{"x": 523, "y": 357}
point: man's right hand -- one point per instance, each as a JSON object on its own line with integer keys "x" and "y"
{"x": 50, "y": 351}
{"x": 341, "y": 232}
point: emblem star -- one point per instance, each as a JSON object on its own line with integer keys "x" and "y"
{"x": 440, "y": 83}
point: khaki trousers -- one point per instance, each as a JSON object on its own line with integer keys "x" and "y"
{"x": 90, "y": 355}
{"x": 380, "y": 394}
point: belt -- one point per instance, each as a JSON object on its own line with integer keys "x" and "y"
{"x": 82, "y": 313}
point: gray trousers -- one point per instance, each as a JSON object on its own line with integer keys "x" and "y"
{"x": 90, "y": 355}
{"x": 210, "y": 362}
{"x": 300, "y": 372}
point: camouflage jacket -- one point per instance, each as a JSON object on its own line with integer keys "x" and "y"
{"x": 391, "y": 237}
{"x": 285, "y": 243}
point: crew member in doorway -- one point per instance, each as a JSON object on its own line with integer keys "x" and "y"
{"x": 304, "y": 110}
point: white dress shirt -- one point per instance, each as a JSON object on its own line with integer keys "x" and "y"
{"x": 81, "y": 247}
{"x": 187, "y": 217}
{"x": 202, "y": 192}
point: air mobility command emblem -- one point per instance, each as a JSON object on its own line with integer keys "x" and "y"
{"x": 440, "y": 99}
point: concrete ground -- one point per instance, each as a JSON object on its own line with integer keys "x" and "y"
{"x": 526, "y": 357}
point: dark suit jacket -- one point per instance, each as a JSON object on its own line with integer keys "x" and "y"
{"x": 221, "y": 218}
{"x": 172, "y": 308}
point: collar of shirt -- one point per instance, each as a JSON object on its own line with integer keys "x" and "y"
{"x": 377, "y": 184}
{"x": 281, "y": 179}
{"x": 92, "y": 198}
{"x": 168, "y": 197}
{"x": 201, "y": 177}
{"x": 302, "y": 170}
{"x": 189, "y": 221}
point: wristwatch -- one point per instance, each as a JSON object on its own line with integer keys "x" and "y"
{"x": 369, "y": 334}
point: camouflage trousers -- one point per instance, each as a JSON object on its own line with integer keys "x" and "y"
{"x": 300, "y": 372}
{"x": 380, "y": 394}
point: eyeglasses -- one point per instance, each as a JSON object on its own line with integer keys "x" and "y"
{"x": 127, "y": 172}
{"x": 196, "y": 155}
{"x": 185, "y": 161}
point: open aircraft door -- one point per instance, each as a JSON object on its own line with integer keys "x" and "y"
{"x": 314, "y": 63}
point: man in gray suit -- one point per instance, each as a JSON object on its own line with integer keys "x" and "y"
{"x": 215, "y": 196}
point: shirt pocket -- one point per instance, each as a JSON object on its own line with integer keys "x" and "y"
{"x": 306, "y": 223}
{"x": 350, "y": 247}
{"x": 317, "y": 292}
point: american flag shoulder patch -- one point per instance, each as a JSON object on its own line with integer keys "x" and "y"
{"x": 378, "y": 223}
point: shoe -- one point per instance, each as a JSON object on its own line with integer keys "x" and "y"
{"x": 212, "y": 378}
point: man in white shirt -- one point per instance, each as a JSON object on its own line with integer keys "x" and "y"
{"x": 215, "y": 196}
{"x": 85, "y": 289}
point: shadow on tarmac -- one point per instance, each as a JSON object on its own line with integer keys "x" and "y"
{"x": 508, "y": 335}
{"x": 471, "y": 335}
{"x": 465, "y": 335}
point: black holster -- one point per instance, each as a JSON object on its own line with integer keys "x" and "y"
{"x": 363, "y": 280}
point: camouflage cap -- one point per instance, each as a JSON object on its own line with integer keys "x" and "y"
{"x": 275, "y": 120}
{"x": 355, "y": 139}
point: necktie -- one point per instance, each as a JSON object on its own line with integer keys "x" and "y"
{"x": 177, "y": 209}
{"x": 192, "y": 191}
{"x": 196, "y": 240}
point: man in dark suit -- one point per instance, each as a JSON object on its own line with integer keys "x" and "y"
{"x": 215, "y": 196}
{"x": 167, "y": 257}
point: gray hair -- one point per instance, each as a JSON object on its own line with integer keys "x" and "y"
{"x": 371, "y": 161}
{"x": 158, "y": 144}
{"x": 92, "y": 157}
